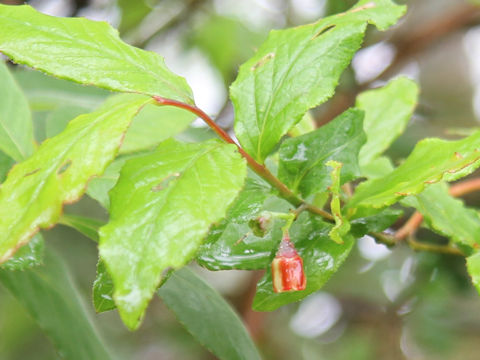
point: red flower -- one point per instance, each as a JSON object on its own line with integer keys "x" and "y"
{"x": 287, "y": 268}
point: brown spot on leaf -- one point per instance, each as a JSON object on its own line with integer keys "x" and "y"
{"x": 263, "y": 61}
{"x": 31, "y": 172}
{"x": 164, "y": 183}
{"x": 458, "y": 155}
{"x": 323, "y": 31}
{"x": 64, "y": 167}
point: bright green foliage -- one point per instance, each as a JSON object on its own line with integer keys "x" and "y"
{"x": 297, "y": 69}
{"x": 6, "y": 163}
{"x": 99, "y": 187}
{"x": 27, "y": 256}
{"x": 341, "y": 224}
{"x": 377, "y": 168}
{"x": 86, "y": 226}
{"x": 430, "y": 161}
{"x": 35, "y": 190}
{"x": 321, "y": 259}
{"x": 207, "y": 316}
{"x": 16, "y": 130}
{"x": 48, "y": 93}
{"x": 153, "y": 125}
{"x": 473, "y": 266}
{"x": 85, "y": 51}
{"x": 448, "y": 215}
{"x": 232, "y": 244}
{"x": 48, "y": 294}
{"x": 103, "y": 290}
{"x": 161, "y": 208}
{"x": 133, "y": 12}
{"x": 304, "y": 126}
{"x": 387, "y": 112}
{"x": 59, "y": 118}
{"x": 302, "y": 159}
{"x": 367, "y": 220}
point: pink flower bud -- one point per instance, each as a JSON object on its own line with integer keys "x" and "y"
{"x": 287, "y": 268}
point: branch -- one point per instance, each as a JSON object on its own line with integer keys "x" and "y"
{"x": 391, "y": 241}
{"x": 260, "y": 169}
{"x": 408, "y": 46}
{"x": 459, "y": 189}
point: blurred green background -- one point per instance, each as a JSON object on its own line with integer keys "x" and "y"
{"x": 381, "y": 304}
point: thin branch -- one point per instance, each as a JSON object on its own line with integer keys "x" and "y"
{"x": 459, "y": 189}
{"x": 441, "y": 249}
{"x": 408, "y": 46}
{"x": 391, "y": 241}
{"x": 260, "y": 169}
{"x": 302, "y": 205}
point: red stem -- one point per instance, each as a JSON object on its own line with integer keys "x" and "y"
{"x": 260, "y": 169}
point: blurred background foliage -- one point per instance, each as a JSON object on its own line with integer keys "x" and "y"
{"x": 382, "y": 304}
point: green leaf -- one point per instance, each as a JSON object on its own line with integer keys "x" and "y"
{"x": 58, "y": 172}
{"x": 377, "y": 168}
{"x": 85, "y": 51}
{"x": 473, "y": 267}
{"x": 306, "y": 125}
{"x": 430, "y": 161}
{"x": 207, "y": 316}
{"x": 448, "y": 215}
{"x": 48, "y": 294}
{"x": 321, "y": 259}
{"x": 86, "y": 226}
{"x": 341, "y": 224}
{"x": 6, "y": 164}
{"x": 367, "y": 220}
{"x": 59, "y": 118}
{"x": 387, "y": 112}
{"x": 133, "y": 12}
{"x": 99, "y": 187}
{"x": 48, "y": 93}
{"x": 161, "y": 208}
{"x": 232, "y": 244}
{"x": 16, "y": 129}
{"x": 103, "y": 290}
{"x": 227, "y": 43}
{"x": 27, "y": 256}
{"x": 153, "y": 125}
{"x": 302, "y": 159}
{"x": 297, "y": 69}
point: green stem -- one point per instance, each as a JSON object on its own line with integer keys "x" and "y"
{"x": 286, "y": 193}
{"x": 414, "y": 244}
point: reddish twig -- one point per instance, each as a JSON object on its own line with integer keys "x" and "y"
{"x": 413, "y": 223}
{"x": 260, "y": 169}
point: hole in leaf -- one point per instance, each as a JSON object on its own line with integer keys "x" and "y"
{"x": 164, "y": 183}
{"x": 31, "y": 172}
{"x": 323, "y": 31}
{"x": 64, "y": 167}
{"x": 263, "y": 61}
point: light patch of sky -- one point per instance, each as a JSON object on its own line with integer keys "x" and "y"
{"x": 266, "y": 14}
{"x": 471, "y": 44}
{"x": 316, "y": 315}
{"x": 308, "y": 10}
{"x": 102, "y": 10}
{"x": 53, "y": 7}
{"x": 372, "y": 251}
{"x": 369, "y": 62}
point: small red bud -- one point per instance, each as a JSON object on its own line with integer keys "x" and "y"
{"x": 287, "y": 268}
